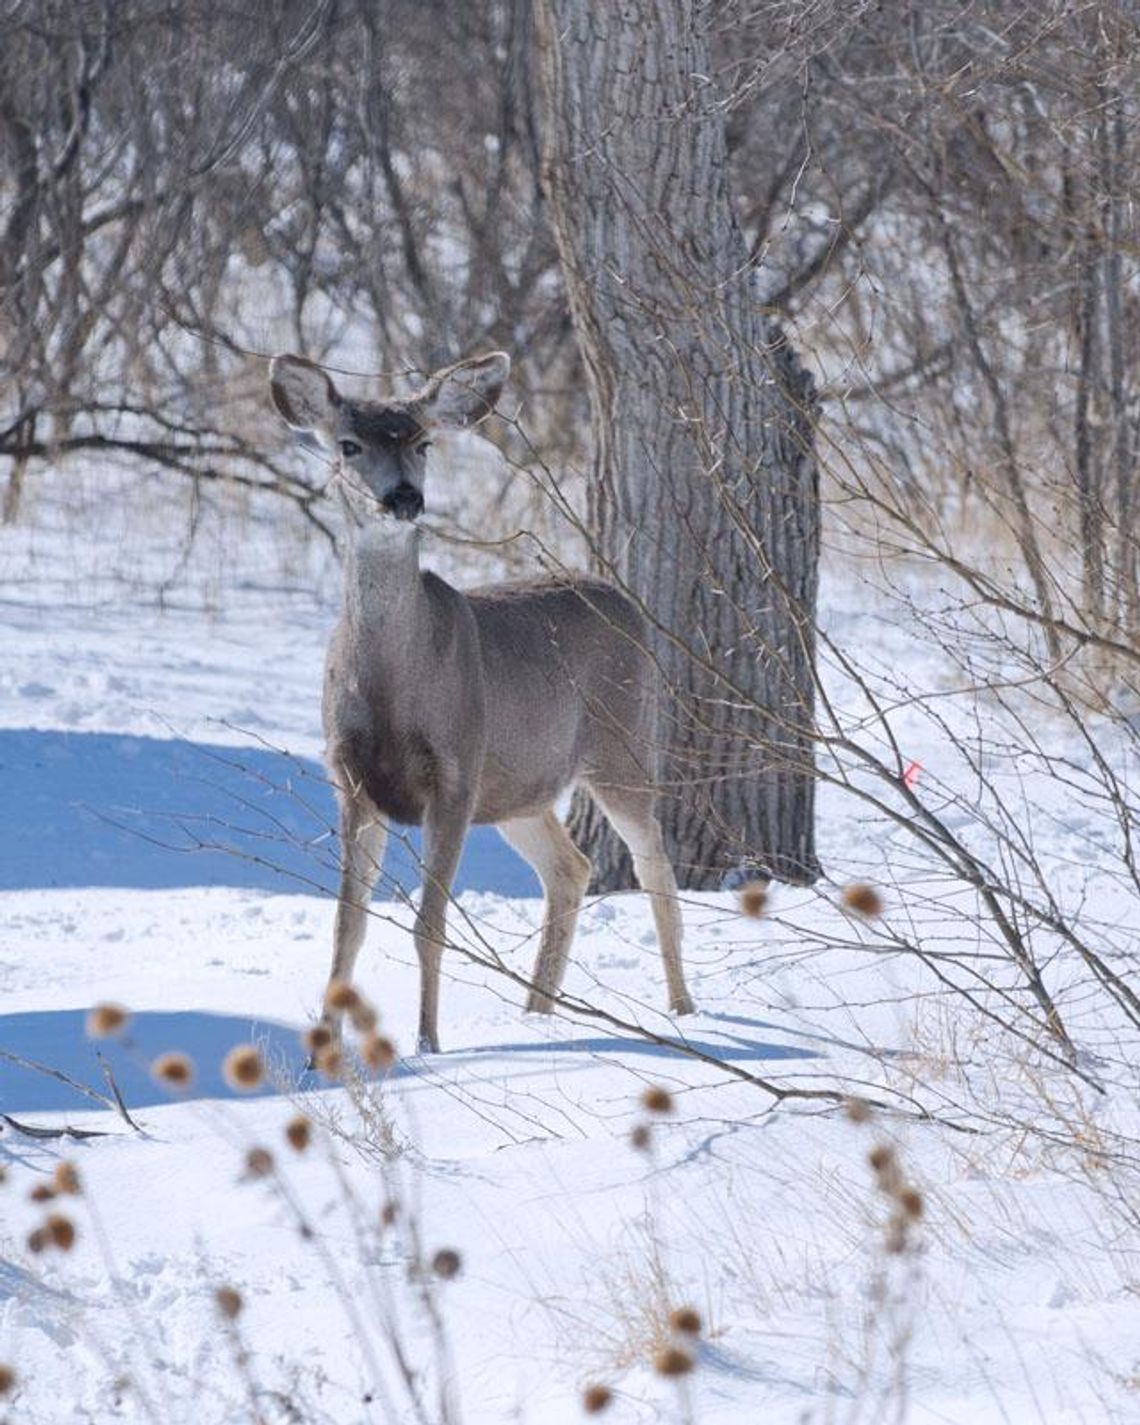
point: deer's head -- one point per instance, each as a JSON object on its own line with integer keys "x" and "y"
{"x": 380, "y": 448}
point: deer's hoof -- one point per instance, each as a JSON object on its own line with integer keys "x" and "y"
{"x": 428, "y": 1044}
{"x": 683, "y": 1004}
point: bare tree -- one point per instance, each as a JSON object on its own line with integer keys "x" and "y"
{"x": 944, "y": 223}
{"x": 119, "y": 139}
{"x": 178, "y": 189}
{"x": 703, "y": 496}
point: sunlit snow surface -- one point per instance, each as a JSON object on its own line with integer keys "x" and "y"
{"x": 167, "y": 844}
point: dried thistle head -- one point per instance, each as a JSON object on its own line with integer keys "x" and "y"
{"x": 329, "y": 1061}
{"x": 882, "y": 1160}
{"x": 863, "y": 900}
{"x": 7, "y": 1380}
{"x": 657, "y": 1100}
{"x": 364, "y": 1017}
{"x": 686, "y": 1320}
{"x": 341, "y": 997}
{"x": 378, "y": 1052}
{"x": 672, "y": 1361}
{"x": 641, "y": 1137}
{"x": 316, "y": 1038}
{"x": 229, "y": 1302}
{"x": 857, "y": 1110}
{"x": 42, "y": 1192}
{"x": 885, "y": 1165}
{"x": 38, "y": 1240}
{"x": 61, "y": 1231}
{"x": 446, "y": 1263}
{"x": 104, "y": 1021}
{"x": 258, "y": 1163}
{"x": 595, "y": 1399}
{"x": 299, "y": 1132}
{"x": 243, "y": 1068}
{"x": 389, "y": 1212}
{"x": 66, "y": 1179}
{"x": 753, "y": 899}
{"x": 911, "y": 1203}
{"x": 175, "y": 1070}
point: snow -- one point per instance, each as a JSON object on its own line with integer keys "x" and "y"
{"x": 166, "y": 844}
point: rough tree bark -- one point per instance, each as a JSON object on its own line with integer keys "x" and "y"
{"x": 704, "y": 501}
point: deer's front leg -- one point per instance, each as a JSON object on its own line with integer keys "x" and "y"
{"x": 363, "y": 836}
{"x": 445, "y": 826}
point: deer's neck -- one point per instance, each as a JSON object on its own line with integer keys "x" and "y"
{"x": 383, "y": 591}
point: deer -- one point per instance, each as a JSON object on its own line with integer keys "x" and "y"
{"x": 445, "y": 708}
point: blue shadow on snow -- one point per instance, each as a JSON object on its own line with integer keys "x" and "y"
{"x": 57, "y": 1038}
{"x": 737, "y": 1052}
{"x": 100, "y": 809}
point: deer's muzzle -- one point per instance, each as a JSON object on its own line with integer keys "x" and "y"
{"x": 405, "y": 501}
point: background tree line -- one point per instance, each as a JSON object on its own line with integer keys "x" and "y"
{"x": 933, "y": 200}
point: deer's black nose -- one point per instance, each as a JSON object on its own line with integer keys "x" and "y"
{"x": 405, "y": 501}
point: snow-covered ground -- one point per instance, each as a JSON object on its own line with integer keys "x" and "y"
{"x": 166, "y": 843}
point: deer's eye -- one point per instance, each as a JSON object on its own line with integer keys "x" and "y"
{"x": 350, "y": 448}
{"x": 423, "y": 447}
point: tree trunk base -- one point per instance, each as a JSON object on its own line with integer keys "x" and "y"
{"x": 612, "y": 865}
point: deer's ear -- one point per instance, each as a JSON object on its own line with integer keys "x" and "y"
{"x": 464, "y": 394}
{"x": 304, "y": 396}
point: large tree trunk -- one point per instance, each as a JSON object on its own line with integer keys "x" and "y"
{"x": 705, "y": 490}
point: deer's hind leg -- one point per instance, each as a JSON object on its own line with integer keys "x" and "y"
{"x": 363, "y": 837}
{"x": 630, "y": 811}
{"x": 565, "y": 873}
